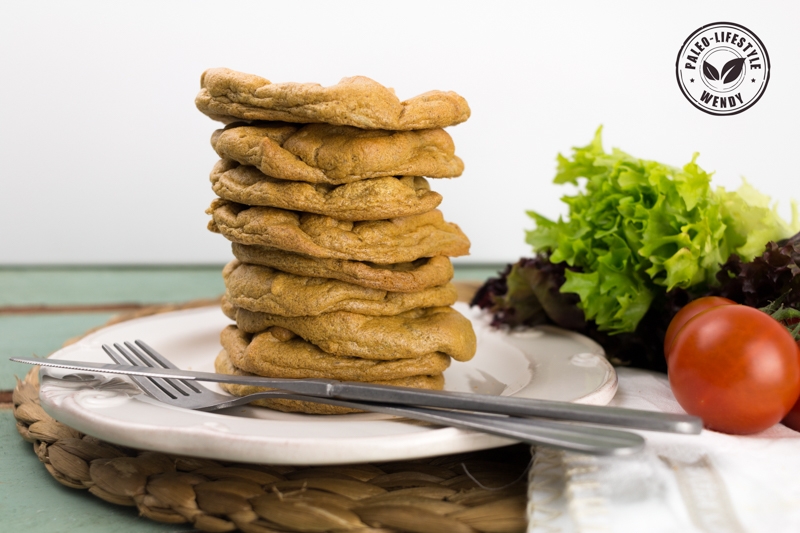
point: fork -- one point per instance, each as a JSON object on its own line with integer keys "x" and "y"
{"x": 563, "y": 435}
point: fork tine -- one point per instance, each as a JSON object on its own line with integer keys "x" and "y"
{"x": 171, "y": 391}
{"x": 180, "y": 386}
{"x": 157, "y": 357}
{"x": 148, "y": 385}
{"x": 163, "y": 384}
{"x": 163, "y": 361}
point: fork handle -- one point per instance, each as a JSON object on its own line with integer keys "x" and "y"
{"x": 565, "y": 436}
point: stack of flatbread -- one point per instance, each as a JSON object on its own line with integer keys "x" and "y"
{"x": 341, "y": 266}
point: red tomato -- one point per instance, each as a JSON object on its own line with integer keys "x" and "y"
{"x": 688, "y": 312}
{"x": 735, "y": 367}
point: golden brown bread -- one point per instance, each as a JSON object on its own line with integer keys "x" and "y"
{"x": 266, "y": 290}
{"x": 410, "y": 334}
{"x": 322, "y": 153}
{"x": 227, "y": 95}
{"x": 370, "y": 199}
{"x": 396, "y": 240}
{"x": 323, "y": 194}
{"x": 276, "y": 353}
{"x": 418, "y": 275}
{"x": 223, "y": 365}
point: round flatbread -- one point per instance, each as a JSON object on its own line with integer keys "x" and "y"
{"x": 223, "y": 365}
{"x": 227, "y": 95}
{"x": 410, "y": 334}
{"x": 395, "y": 240}
{"x": 418, "y": 275}
{"x": 322, "y": 153}
{"x": 370, "y": 199}
{"x": 266, "y": 290}
{"x": 277, "y": 353}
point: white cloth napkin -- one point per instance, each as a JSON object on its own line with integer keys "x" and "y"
{"x": 709, "y": 483}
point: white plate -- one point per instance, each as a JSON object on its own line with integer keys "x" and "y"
{"x": 542, "y": 363}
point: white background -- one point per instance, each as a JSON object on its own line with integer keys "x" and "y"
{"x": 105, "y": 158}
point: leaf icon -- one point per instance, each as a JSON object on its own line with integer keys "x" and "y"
{"x": 709, "y": 71}
{"x": 732, "y": 69}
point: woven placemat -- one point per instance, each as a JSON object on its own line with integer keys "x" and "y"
{"x": 481, "y": 491}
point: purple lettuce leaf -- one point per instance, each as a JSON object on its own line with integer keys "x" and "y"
{"x": 766, "y": 278}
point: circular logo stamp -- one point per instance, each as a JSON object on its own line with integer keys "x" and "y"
{"x": 722, "y": 68}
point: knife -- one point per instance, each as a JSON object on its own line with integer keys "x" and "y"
{"x": 370, "y": 392}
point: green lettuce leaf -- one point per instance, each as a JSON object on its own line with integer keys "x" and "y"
{"x": 637, "y": 229}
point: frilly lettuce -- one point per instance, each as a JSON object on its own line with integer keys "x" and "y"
{"x": 639, "y": 228}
